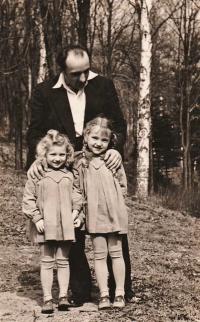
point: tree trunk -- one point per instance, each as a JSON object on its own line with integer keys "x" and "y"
{"x": 84, "y": 15}
{"x": 144, "y": 106}
{"x": 18, "y": 133}
{"x": 43, "y": 56}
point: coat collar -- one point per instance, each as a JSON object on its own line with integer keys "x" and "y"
{"x": 58, "y": 175}
{"x": 86, "y": 158}
{"x": 61, "y": 80}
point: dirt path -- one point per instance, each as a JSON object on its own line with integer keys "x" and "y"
{"x": 165, "y": 254}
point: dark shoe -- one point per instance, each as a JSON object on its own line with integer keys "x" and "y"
{"x": 47, "y": 307}
{"x": 128, "y": 296}
{"x": 76, "y": 302}
{"x": 63, "y": 304}
{"x": 104, "y": 303}
{"x": 119, "y": 302}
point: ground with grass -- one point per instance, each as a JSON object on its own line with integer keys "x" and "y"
{"x": 165, "y": 256}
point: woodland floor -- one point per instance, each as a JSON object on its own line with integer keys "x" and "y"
{"x": 165, "y": 255}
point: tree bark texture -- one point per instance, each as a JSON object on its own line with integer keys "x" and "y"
{"x": 84, "y": 16}
{"x": 144, "y": 105}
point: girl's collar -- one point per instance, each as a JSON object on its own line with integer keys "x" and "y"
{"x": 88, "y": 156}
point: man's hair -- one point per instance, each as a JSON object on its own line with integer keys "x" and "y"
{"x": 78, "y": 50}
{"x": 55, "y": 138}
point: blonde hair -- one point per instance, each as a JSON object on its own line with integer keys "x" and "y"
{"x": 105, "y": 124}
{"x": 53, "y": 137}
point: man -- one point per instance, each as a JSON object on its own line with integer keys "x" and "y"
{"x": 66, "y": 104}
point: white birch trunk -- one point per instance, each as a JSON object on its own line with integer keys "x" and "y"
{"x": 43, "y": 56}
{"x": 29, "y": 83}
{"x": 144, "y": 112}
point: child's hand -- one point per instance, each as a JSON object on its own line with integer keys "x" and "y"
{"x": 40, "y": 226}
{"x": 75, "y": 214}
{"x": 77, "y": 222}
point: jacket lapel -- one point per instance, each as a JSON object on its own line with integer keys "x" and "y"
{"x": 89, "y": 95}
{"x": 62, "y": 109}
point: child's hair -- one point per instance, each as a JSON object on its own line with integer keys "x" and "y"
{"x": 54, "y": 137}
{"x": 104, "y": 123}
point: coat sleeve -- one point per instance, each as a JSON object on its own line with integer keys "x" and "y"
{"x": 121, "y": 177}
{"x": 29, "y": 205}
{"x": 116, "y": 115}
{"x": 77, "y": 194}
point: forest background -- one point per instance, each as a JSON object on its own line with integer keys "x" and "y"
{"x": 32, "y": 33}
{"x": 151, "y": 50}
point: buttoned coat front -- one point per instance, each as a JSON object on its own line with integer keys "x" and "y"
{"x": 50, "y": 199}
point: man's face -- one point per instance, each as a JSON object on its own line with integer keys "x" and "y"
{"x": 77, "y": 70}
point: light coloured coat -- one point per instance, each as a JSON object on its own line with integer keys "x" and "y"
{"x": 101, "y": 195}
{"x": 50, "y": 199}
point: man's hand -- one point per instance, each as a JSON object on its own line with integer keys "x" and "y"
{"x": 113, "y": 160}
{"x": 40, "y": 226}
{"x": 37, "y": 169}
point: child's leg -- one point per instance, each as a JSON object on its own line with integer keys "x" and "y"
{"x": 47, "y": 251}
{"x": 100, "y": 262}
{"x": 62, "y": 259}
{"x": 115, "y": 251}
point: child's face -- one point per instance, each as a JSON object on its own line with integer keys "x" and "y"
{"x": 56, "y": 156}
{"x": 98, "y": 140}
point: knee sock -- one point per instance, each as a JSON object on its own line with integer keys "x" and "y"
{"x": 119, "y": 274}
{"x": 101, "y": 271}
{"x": 46, "y": 275}
{"x": 63, "y": 276}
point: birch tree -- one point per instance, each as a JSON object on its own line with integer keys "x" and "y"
{"x": 144, "y": 104}
{"x": 42, "y": 53}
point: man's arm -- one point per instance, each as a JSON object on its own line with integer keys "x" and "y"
{"x": 115, "y": 113}
{"x": 113, "y": 157}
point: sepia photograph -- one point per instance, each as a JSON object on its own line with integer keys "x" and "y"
{"x": 100, "y": 160}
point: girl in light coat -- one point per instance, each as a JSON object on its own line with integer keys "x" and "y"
{"x": 48, "y": 204}
{"x": 100, "y": 194}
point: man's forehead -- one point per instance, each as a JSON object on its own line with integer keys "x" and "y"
{"x": 77, "y": 62}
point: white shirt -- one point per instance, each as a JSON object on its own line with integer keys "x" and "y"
{"x": 77, "y": 102}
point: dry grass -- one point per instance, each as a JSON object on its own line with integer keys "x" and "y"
{"x": 164, "y": 248}
{"x": 175, "y": 198}
{"x": 165, "y": 256}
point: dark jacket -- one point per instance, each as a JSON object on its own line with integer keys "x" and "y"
{"x": 50, "y": 110}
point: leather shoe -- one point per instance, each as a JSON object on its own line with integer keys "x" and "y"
{"x": 47, "y": 307}
{"x": 63, "y": 304}
{"x": 76, "y": 302}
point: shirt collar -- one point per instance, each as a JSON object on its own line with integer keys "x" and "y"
{"x": 61, "y": 80}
